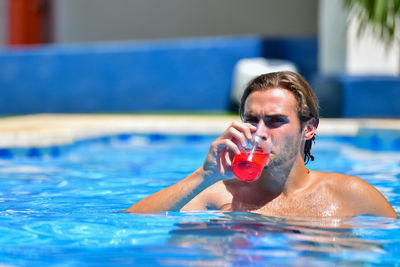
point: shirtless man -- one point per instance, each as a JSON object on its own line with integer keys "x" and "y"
{"x": 280, "y": 105}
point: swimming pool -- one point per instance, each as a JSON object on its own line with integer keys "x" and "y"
{"x": 59, "y": 206}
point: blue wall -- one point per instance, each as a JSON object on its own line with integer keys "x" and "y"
{"x": 167, "y": 75}
{"x": 358, "y": 96}
{"x": 172, "y": 75}
{"x": 303, "y": 51}
{"x": 373, "y": 96}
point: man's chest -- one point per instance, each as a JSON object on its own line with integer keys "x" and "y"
{"x": 301, "y": 206}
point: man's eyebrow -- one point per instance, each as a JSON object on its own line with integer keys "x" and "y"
{"x": 276, "y": 115}
{"x": 249, "y": 115}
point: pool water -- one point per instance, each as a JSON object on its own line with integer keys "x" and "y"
{"x": 59, "y": 206}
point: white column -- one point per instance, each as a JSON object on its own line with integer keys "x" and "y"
{"x": 332, "y": 37}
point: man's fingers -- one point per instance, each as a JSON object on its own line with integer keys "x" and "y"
{"x": 227, "y": 143}
{"x": 237, "y": 132}
{"x": 228, "y": 159}
{"x": 235, "y": 135}
{"x": 245, "y": 130}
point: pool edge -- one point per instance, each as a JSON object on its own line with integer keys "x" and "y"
{"x": 43, "y": 130}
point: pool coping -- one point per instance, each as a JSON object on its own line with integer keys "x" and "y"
{"x": 44, "y": 130}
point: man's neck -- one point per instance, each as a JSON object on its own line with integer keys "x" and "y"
{"x": 285, "y": 179}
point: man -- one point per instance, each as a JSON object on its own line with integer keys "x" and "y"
{"x": 280, "y": 105}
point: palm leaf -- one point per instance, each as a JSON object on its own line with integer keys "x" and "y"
{"x": 382, "y": 17}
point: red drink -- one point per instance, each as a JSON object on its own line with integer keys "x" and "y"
{"x": 248, "y": 166}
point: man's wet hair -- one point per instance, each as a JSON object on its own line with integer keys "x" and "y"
{"x": 307, "y": 102}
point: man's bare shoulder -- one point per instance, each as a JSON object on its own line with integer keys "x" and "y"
{"x": 336, "y": 179}
{"x": 356, "y": 195}
{"x": 343, "y": 183}
{"x": 346, "y": 186}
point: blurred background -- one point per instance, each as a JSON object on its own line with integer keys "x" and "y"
{"x": 192, "y": 56}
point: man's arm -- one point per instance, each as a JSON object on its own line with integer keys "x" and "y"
{"x": 216, "y": 167}
{"x": 175, "y": 196}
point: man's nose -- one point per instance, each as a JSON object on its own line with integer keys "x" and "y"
{"x": 262, "y": 130}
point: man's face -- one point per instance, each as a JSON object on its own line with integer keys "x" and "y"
{"x": 274, "y": 112}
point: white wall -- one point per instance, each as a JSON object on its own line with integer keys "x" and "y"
{"x": 102, "y": 20}
{"x": 369, "y": 55}
{"x": 343, "y": 50}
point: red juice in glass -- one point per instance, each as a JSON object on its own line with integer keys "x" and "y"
{"x": 248, "y": 165}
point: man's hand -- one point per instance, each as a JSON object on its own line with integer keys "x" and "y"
{"x": 219, "y": 158}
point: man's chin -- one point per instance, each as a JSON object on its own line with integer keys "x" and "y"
{"x": 278, "y": 163}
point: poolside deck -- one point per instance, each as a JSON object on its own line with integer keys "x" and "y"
{"x": 41, "y": 130}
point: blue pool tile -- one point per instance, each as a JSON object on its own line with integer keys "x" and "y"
{"x": 157, "y": 137}
{"x": 5, "y": 153}
{"x": 346, "y": 139}
{"x": 194, "y": 138}
{"x": 34, "y": 152}
{"x": 396, "y": 144}
{"x": 123, "y": 137}
{"x": 375, "y": 142}
{"x": 55, "y": 151}
{"x": 103, "y": 140}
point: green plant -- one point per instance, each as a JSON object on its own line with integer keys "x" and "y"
{"x": 380, "y": 16}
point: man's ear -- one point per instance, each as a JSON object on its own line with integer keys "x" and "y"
{"x": 309, "y": 128}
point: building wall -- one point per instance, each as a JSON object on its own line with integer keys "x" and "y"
{"x": 103, "y": 20}
{"x": 369, "y": 55}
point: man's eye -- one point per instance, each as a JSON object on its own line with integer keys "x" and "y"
{"x": 274, "y": 122}
{"x": 252, "y": 121}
